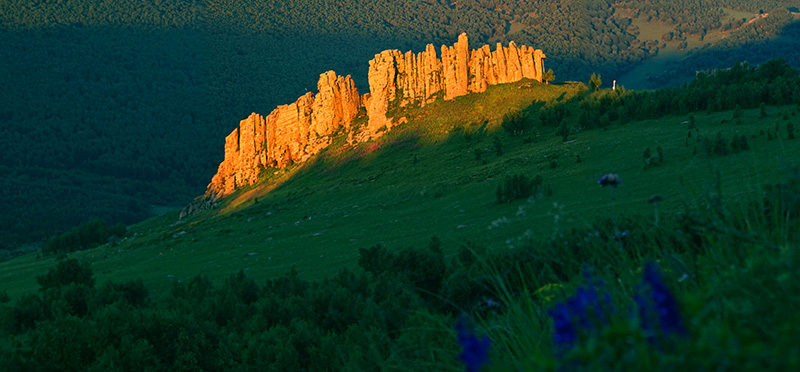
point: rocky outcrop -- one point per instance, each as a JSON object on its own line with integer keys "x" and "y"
{"x": 293, "y": 133}
{"x": 290, "y": 133}
{"x": 404, "y": 79}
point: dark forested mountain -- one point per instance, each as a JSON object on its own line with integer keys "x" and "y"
{"x": 110, "y": 108}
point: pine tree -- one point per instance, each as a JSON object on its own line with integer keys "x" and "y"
{"x": 549, "y": 76}
{"x": 595, "y": 82}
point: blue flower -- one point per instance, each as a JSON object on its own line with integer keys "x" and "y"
{"x": 657, "y": 303}
{"x": 610, "y": 179}
{"x": 581, "y": 312}
{"x": 476, "y": 351}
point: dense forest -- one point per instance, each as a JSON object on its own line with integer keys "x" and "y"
{"x": 114, "y": 108}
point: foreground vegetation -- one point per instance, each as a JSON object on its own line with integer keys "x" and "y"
{"x": 718, "y": 291}
{"x": 481, "y": 234}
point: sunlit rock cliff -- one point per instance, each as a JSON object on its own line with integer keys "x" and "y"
{"x": 292, "y": 133}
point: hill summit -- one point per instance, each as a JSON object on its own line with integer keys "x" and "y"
{"x": 293, "y": 133}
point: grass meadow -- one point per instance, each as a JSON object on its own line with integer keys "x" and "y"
{"x": 716, "y": 251}
{"x": 422, "y": 180}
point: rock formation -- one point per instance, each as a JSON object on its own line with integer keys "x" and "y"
{"x": 293, "y": 133}
{"x": 290, "y": 133}
{"x": 406, "y": 79}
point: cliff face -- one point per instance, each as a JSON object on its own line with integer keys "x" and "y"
{"x": 420, "y": 78}
{"x": 293, "y": 133}
{"x": 290, "y": 133}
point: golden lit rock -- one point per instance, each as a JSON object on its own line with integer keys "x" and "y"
{"x": 293, "y": 133}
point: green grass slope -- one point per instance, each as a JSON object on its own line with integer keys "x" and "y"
{"x": 424, "y": 179}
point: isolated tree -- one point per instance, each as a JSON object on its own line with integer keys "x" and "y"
{"x": 646, "y": 155}
{"x": 595, "y": 82}
{"x": 515, "y": 123}
{"x": 549, "y": 76}
{"x": 563, "y": 131}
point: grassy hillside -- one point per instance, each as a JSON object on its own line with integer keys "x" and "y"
{"x": 422, "y": 179}
{"x": 365, "y": 256}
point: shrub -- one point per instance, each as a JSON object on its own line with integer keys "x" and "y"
{"x": 517, "y": 187}
{"x": 67, "y": 272}
{"x": 651, "y": 160}
{"x": 737, "y": 112}
{"x": 515, "y": 122}
{"x": 563, "y": 131}
{"x": 479, "y": 156}
{"x": 595, "y": 82}
{"x": 498, "y": 145}
{"x": 85, "y": 236}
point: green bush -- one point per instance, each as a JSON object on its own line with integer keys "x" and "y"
{"x": 85, "y": 236}
{"x": 515, "y": 123}
{"x": 67, "y": 272}
{"x": 517, "y": 187}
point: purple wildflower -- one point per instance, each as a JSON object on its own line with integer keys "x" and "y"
{"x": 610, "y": 179}
{"x": 574, "y": 315}
{"x": 658, "y": 303}
{"x": 476, "y": 351}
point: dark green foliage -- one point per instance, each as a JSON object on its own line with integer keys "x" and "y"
{"x": 549, "y": 76}
{"x": 498, "y": 145}
{"x": 515, "y": 123}
{"x": 85, "y": 236}
{"x": 740, "y": 87}
{"x": 517, "y": 187}
{"x": 762, "y": 110}
{"x": 737, "y": 112}
{"x": 739, "y": 143}
{"x": 553, "y": 115}
{"x": 67, "y": 272}
{"x": 595, "y": 82}
{"x": 479, "y": 155}
{"x": 403, "y": 300}
{"x": 790, "y": 130}
{"x": 132, "y": 293}
{"x": 563, "y": 131}
{"x": 28, "y": 310}
{"x": 374, "y": 260}
{"x": 649, "y": 160}
{"x": 782, "y": 200}
{"x": 720, "y": 147}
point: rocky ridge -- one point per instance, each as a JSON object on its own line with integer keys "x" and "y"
{"x": 293, "y": 133}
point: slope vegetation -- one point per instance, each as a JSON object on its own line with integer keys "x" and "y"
{"x": 487, "y": 206}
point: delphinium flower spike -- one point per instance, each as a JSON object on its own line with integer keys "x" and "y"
{"x": 656, "y": 302}
{"x": 574, "y": 315}
{"x": 475, "y": 350}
